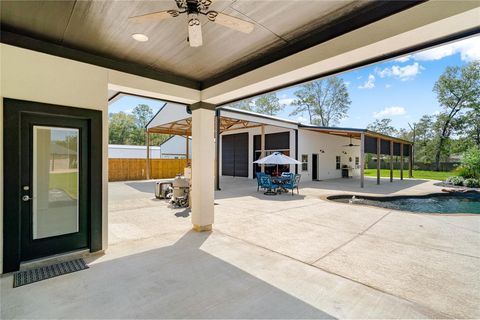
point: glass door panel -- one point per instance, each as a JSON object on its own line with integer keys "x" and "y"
{"x": 55, "y": 181}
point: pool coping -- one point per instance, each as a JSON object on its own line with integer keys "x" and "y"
{"x": 333, "y": 197}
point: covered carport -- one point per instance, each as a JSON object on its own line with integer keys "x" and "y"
{"x": 374, "y": 143}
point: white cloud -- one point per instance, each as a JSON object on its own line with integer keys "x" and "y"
{"x": 387, "y": 86}
{"x": 128, "y": 111}
{"x": 302, "y": 119}
{"x": 469, "y": 50}
{"x": 389, "y": 112}
{"x": 405, "y": 73}
{"x": 286, "y": 101}
{"x": 403, "y": 59}
{"x": 369, "y": 84}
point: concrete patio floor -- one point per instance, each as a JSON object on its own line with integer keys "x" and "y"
{"x": 268, "y": 257}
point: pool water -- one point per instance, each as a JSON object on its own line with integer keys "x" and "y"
{"x": 434, "y": 203}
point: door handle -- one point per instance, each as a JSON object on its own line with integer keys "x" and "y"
{"x": 26, "y": 198}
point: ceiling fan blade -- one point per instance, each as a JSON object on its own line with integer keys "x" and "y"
{"x": 194, "y": 31}
{"x": 155, "y": 16}
{"x": 230, "y": 22}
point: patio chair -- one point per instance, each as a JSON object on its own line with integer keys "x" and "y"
{"x": 287, "y": 174}
{"x": 267, "y": 184}
{"x": 259, "y": 182}
{"x": 293, "y": 183}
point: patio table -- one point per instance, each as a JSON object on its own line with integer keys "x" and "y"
{"x": 281, "y": 181}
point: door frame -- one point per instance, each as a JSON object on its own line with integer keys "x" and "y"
{"x": 13, "y": 110}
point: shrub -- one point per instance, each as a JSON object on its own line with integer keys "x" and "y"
{"x": 470, "y": 167}
{"x": 455, "y": 180}
{"x": 463, "y": 172}
{"x": 471, "y": 183}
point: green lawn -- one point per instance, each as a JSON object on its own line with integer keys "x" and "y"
{"x": 65, "y": 181}
{"x": 419, "y": 174}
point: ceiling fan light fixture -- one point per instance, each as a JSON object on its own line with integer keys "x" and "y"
{"x": 140, "y": 37}
{"x": 194, "y": 30}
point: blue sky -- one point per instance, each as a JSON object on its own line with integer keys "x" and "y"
{"x": 399, "y": 89}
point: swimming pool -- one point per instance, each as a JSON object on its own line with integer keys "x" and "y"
{"x": 432, "y": 203}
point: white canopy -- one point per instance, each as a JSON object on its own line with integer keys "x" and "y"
{"x": 277, "y": 158}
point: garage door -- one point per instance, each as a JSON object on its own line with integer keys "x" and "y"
{"x": 235, "y": 155}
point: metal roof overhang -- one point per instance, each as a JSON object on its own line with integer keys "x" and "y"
{"x": 353, "y": 133}
{"x": 177, "y": 121}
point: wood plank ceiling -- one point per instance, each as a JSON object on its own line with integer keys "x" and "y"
{"x": 102, "y": 28}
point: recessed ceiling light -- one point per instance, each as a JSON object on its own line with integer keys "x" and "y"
{"x": 140, "y": 37}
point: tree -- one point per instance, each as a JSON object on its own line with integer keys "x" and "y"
{"x": 383, "y": 126}
{"x": 268, "y": 104}
{"x": 424, "y": 139}
{"x": 471, "y": 162}
{"x": 457, "y": 91}
{"x": 143, "y": 114}
{"x": 245, "y": 104}
{"x": 472, "y": 127}
{"x": 326, "y": 101}
{"x": 131, "y": 128}
{"x": 121, "y": 127}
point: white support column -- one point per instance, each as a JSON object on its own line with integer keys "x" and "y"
{"x": 362, "y": 160}
{"x": 203, "y": 163}
{"x": 391, "y": 160}
{"x": 148, "y": 156}
{"x": 262, "y": 146}
{"x": 379, "y": 146}
{"x": 187, "y": 151}
{"x": 401, "y": 161}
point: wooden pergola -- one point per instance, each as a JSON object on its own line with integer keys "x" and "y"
{"x": 375, "y": 143}
{"x": 183, "y": 128}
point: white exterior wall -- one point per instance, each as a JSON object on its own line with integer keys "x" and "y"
{"x": 257, "y": 131}
{"x": 132, "y": 152}
{"x": 310, "y": 142}
{"x": 175, "y": 148}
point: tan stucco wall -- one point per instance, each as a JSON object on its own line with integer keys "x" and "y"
{"x": 33, "y": 76}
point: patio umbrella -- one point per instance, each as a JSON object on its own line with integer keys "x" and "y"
{"x": 277, "y": 158}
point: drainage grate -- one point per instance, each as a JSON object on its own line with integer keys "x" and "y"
{"x": 22, "y": 278}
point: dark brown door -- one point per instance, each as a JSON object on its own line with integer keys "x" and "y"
{"x": 314, "y": 166}
{"x": 235, "y": 155}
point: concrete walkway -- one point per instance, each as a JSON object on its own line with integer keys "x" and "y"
{"x": 269, "y": 257}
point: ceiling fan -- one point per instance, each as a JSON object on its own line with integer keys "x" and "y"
{"x": 194, "y": 8}
{"x": 351, "y": 144}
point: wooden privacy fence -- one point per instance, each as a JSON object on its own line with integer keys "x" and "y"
{"x": 136, "y": 169}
